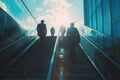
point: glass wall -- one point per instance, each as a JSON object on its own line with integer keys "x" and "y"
{"x": 106, "y": 17}
{"x": 103, "y": 16}
{"x": 90, "y": 14}
{"x": 99, "y": 19}
{"x": 106, "y": 21}
{"x": 94, "y": 15}
{"x": 115, "y": 17}
{"x": 103, "y": 30}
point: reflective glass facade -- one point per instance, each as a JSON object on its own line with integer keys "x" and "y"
{"x": 102, "y": 19}
{"x": 103, "y": 16}
{"x": 102, "y": 29}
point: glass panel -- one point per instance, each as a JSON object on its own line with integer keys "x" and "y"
{"x": 115, "y": 14}
{"x": 94, "y": 21}
{"x": 93, "y": 6}
{"x": 106, "y": 17}
{"x": 103, "y": 41}
{"x": 99, "y": 19}
{"x": 106, "y": 22}
{"x": 98, "y": 2}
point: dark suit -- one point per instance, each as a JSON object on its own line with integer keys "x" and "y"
{"x": 74, "y": 39}
{"x": 42, "y": 31}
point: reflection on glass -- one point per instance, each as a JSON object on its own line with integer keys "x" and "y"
{"x": 61, "y": 56}
{"x": 61, "y": 74}
{"x": 62, "y": 50}
{"x": 106, "y": 43}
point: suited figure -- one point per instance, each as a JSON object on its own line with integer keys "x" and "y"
{"x": 42, "y": 31}
{"x": 74, "y": 39}
{"x": 52, "y": 30}
{"x": 62, "y": 30}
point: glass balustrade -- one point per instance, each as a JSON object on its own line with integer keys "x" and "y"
{"x": 106, "y": 43}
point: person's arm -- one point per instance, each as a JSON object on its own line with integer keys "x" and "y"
{"x": 38, "y": 30}
{"x": 77, "y": 33}
{"x": 45, "y": 30}
{"x": 67, "y": 32}
{"x": 37, "y": 27}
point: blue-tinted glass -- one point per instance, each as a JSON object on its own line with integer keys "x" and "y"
{"x": 93, "y": 17}
{"x": 116, "y": 30}
{"x": 98, "y": 2}
{"x": 93, "y": 6}
{"x": 89, "y": 13}
{"x": 100, "y": 40}
{"x": 94, "y": 21}
{"x": 106, "y": 22}
{"x": 86, "y": 12}
{"x": 90, "y": 23}
{"x": 115, "y": 16}
{"x": 106, "y": 17}
{"x": 115, "y": 8}
{"x": 1, "y": 21}
{"x": 99, "y": 19}
{"x": 90, "y": 10}
{"x": 1, "y": 28}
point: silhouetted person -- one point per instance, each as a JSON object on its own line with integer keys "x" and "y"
{"x": 52, "y": 30}
{"x": 74, "y": 39}
{"x": 42, "y": 31}
{"x": 62, "y": 30}
{"x": 62, "y": 33}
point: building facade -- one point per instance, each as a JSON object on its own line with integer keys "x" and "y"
{"x": 103, "y": 16}
{"x": 102, "y": 20}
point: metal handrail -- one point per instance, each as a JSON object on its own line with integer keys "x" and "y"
{"x": 99, "y": 72}
{"x": 103, "y": 52}
{"x": 11, "y": 44}
{"x": 17, "y": 57}
{"x": 105, "y": 35}
{"x": 52, "y": 59}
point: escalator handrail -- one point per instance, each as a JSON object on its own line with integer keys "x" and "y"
{"x": 12, "y": 43}
{"x": 17, "y": 57}
{"x": 104, "y": 53}
{"x": 52, "y": 60}
{"x": 99, "y": 72}
{"x": 105, "y": 35}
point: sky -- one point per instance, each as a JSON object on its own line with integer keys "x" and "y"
{"x": 54, "y": 12}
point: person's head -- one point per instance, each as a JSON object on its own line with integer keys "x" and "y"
{"x": 42, "y": 21}
{"x": 72, "y": 24}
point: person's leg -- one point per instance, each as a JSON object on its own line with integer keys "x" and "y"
{"x": 41, "y": 41}
{"x": 72, "y": 53}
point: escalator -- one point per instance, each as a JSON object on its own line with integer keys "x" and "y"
{"x": 64, "y": 69}
{"x": 33, "y": 64}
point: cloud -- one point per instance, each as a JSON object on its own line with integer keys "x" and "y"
{"x": 46, "y": 2}
{"x": 29, "y": 25}
{"x": 26, "y": 25}
{"x": 34, "y": 0}
{"x": 39, "y": 10}
{"x": 79, "y": 23}
{"x": 62, "y": 3}
{"x": 58, "y": 3}
{"x": 57, "y": 14}
{"x": 3, "y": 6}
{"x": 30, "y": 19}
